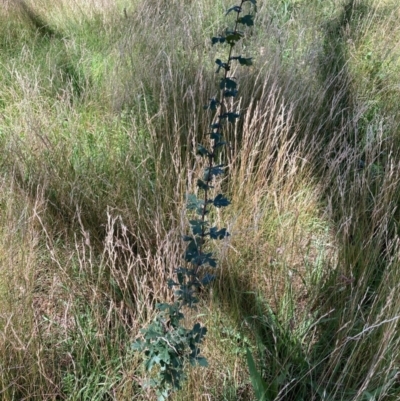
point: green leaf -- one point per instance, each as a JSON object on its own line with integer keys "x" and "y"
{"x": 207, "y": 259}
{"x": 197, "y": 226}
{"x": 163, "y": 307}
{"x": 200, "y": 259}
{"x": 207, "y": 279}
{"x": 236, "y": 9}
{"x": 217, "y": 39}
{"x": 231, "y": 93}
{"x": 185, "y": 295}
{"x": 199, "y": 332}
{"x": 259, "y": 385}
{"x": 245, "y": 61}
{"x": 221, "y": 201}
{"x": 202, "y": 185}
{"x": 213, "y": 105}
{"x": 246, "y": 20}
{"x": 201, "y": 361}
{"x": 227, "y": 83}
{"x": 155, "y": 360}
{"x": 230, "y": 116}
{"x": 193, "y": 203}
{"x": 181, "y": 278}
{"x": 137, "y": 345}
{"x": 197, "y": 328}
{"x": 151, "y": 334}
{"x": 220, "y": 64}
{"x": 191, "y": 252}
{"x": 218, "y": 234}
{"x": 242, "y": 60}
{"x": 218, "y": 140}
{"x": 217, "y": 136}
{"x": 171, "y": 283}
{"x": 233, "y": 37}
{"x": 213, "y": 172}
{"x": 202, "y": 151}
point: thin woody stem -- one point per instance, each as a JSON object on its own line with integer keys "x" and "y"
{"x": 220, "y": 112}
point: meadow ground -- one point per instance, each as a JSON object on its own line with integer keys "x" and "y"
{"x": 101, "y": 105}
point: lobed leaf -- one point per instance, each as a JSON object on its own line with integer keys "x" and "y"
{"x": 207, "y": 279}
{"x": 186, "y": 295}
{"x": 246, "y": 20}
{"x": 243, "y": 60}
{"x": 208, "y": 259}
{"x": 202, "y": 151}
{"x": 191, "y": 252}
{"x": 230, "y": 116}
{"x": 213, "y": 172}
{"x": 218, "y": 140}
{"x": 213, "y": 105}
{"x": 201, "y": 259}
{"x": 197, "y": 226}
{"x": 137, "y": 345}
{"x": 227, "y": 83}
{"x": 193, "y": 203}
{"x": 202, "y": 185}
{"x": 218, "y": 234}
{"x": 217, "y": 39}
{"x": 184, "y": 270}
{"x": 199, "y": 331}
{"x": 233, "y": 37}
{"x": 221, "y": 201}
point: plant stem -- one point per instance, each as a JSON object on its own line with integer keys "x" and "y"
{"x": 220, "y": 112}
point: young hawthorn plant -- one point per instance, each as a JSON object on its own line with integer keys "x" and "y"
{"x": 166, "y": 343}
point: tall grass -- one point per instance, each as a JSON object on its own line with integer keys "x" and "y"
{"x": 97, "y": 126}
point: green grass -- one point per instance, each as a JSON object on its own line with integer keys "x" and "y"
{"x": 99, "y": 113}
